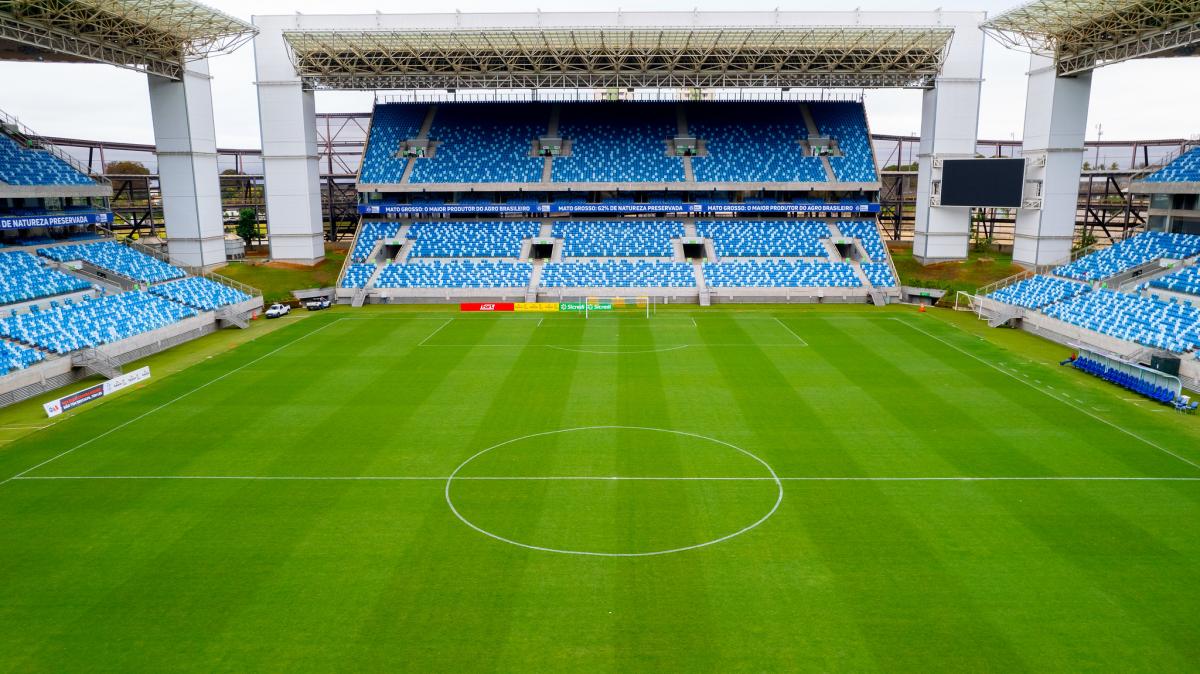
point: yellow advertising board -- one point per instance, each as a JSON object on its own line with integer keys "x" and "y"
{"x": 535, "y": 306}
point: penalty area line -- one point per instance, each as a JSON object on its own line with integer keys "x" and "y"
{"x": 610, "y": 478}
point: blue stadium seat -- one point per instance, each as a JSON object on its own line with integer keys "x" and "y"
{"x": 470, "y": 239}
{"x": 115, "y": 258}
{"x": 484, "y": 143}
{"x": 618, "y": 142}
{"x": 1186, "y": 280}
{"x": 1171, "y": 326}
{"x": 391, "y": 124}
{"x": 20, "y": 165}
{"x": 1184, "y": 169}
{"x": 87, "y": 324}
{"x": 766, "y": 238}
{"x": 780, "y": 274}
{"x": 752, "y": 142}
{"x": 618, "y": 274}
{"x": 199, "y": 293}
{"x": 370, "y": 234}
{"x": 867, "y": 232}
{"x": 1130, "y": 253}
{"x": 847, "y": 123}
{"x": 23, "y": 278}
{"x": 1036, "y": 292}
{"x": 879, "y": 274}
{"x": 357, "y": 275}
{"x": 456, "y": 274}
{"x": 16, "y": 357}
{"x": 617, "y": 239}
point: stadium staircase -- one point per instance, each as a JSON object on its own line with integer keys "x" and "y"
{"x": 94, "y": 360}
{"x": 426, "y": 124}
{"x": 228, "y": 316}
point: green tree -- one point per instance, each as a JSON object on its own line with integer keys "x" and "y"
{"x": 126, "y": 168}
{"x": 247, "y": 227}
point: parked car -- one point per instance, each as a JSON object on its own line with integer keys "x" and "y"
{"x": 317, "y": 303}
{"x": 277, "y": 310}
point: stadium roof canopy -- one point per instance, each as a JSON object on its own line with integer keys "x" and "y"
{"x": 1086, "y": 34}
{"x": 153, "y": 36}
{"x": 595, "y": 57}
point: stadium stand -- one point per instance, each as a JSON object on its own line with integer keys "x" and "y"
{"x": 1171, "y": 326}
{"x": 1130, "y": 253}
{"x": 847, "y": 123}
{"x": 456, "y": 274}
{"x": 16, "y": 357}
{"x": 618, "y": 274}
{"x": 87, "y": 324}
{"x": 372, "y": 232}
{"x": 617, "y": 239}
{"x": 484, "y": 143}
{"x": 868, "y": 233}
{"x": 780, "y": 273}
{"x": 1184, "y": 169}
{"x": 618, "y": 143}
{"x": 1186, "y": 280}
{"x": 23, "y": 278}
{"x": 115, "y": 258}
{"x": 765, "y": 238}
{"x": 1036, "y": 292}
{"x": 20, "y": 165}
{"x": 470, "y": 239}
{"x": 199, "y": 293}
{"x": 879, "y": 274}
{"x": 357, "y": 275}
{"x": 752, "y": 142}
{"x": 391, "y": 124}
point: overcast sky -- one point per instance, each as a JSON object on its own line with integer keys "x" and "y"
{"x": 1154, "y": 98}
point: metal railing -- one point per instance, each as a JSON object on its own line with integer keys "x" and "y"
{"x": 188, "y": 269}
{"x": 43, "y": 144}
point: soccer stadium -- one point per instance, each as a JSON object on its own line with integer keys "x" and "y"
{"x": 597, "y": 340}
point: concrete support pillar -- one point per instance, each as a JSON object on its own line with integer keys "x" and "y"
{"x": 287, "y": 118}
{"x": 1056, "y": 111}
{"x": 185, "y": 138}
{"x": 949, "y": 128}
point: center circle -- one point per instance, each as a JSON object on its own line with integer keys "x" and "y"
{"x": 613, "y": 491}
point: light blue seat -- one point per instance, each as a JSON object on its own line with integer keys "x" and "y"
{"x": 1036, "y": 292}
{"x": 780, "y": 274}
{"x": 766, "y": 238}
{"x": 199, "y": 293}
{"x": 650, "y": 238}
{"x": 116, "y": 258}
{"x": 23, "y": 278}
{"x": 618, "y": 274}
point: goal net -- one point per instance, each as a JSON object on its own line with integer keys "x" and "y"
{"x": 618, "y": 305}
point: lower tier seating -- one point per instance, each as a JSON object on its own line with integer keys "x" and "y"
{"x": 879, "y": 274}
{"x": 1186, "y": 280}
{"x": 1164, "y": 325}
{"x": 1130, "y": 253}
{"x": 23, "y": 278}
{"x": 868, "y": 233}
{"x": 199, "y": 293}
{"x": 369, "y": 235}
{"x": 115, "y": 258}
{"x": 357, "y": 275}
{"x": 1038, "y": 291}
{"x": 618, "y": 274}
{"x": 765, "y": 238}
{"x": 618, "y": 239}
{"x": 16, "y": 357}
{"x": 780, "y": 273}
{"x": 470, "y": 239}
{"x": 455, "y": 274}
{"x": 93, "y": 323}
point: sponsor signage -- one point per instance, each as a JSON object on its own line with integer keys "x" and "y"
{"x": 535, "y": 306}
{"x": 585, "y": 306}
{"x": 419, "y": 209}
{"x": 486, "y": 306}
{"x": 24, "y": 221}
{"x": 87, "y": 395}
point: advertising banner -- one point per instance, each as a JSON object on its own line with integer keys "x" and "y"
{"x": 535, "y": 306}
{"x": 87, "y": 395}
{"x": 421, "y": 209}
{"x": 21, "y": 222}
{"x": 486, "y": 306}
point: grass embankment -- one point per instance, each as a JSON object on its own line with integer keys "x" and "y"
{"x": 979, "y": 269}
{"x": 277, "y": 280}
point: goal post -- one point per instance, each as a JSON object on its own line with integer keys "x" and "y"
{"x": 640, "y": 305}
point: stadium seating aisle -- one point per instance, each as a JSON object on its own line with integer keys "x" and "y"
{"x": 357, "y": 275}
{"x": 613, "y": 142}
{"x": 847, "y": 123}
{"x": 1171, "y": 326}
{"x": 617, "y": 239}
{"x": 1184, "y": 169}
{"x": 867, "y": 232}
{"x": 21, "y": 165}
{"x": 470, "y": 239}
{"x": 1038, "y": 291}
{"x": 372, "y": 231}
{"x": 23, "y": 278}
{"x": 116, "y": 258}
{"x": 102, "y": 321}
{"x": 1186, "y": 280}
{"x": 780, "y": 273}
{"x": 16, "y": 357}
{"x": 765, "y": 238}
{"x": 1130, "y": 253}
{"x": 455, "y": 274}
{"x": 618, "y": 274}
{"x": 484, "y": 143}
{"x": 391, "y": 124}
{"x": 752, "y": 142}
{"x": 199, "y": 293}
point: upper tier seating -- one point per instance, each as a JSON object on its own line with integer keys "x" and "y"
{"x": 470, "y": 239}
{"x": 370, "y": 234}
{"x": 868, "y": 233}
{"x": 1185, "y": 169}
{"x": 618, "y": 239}
{"x": 780, "y": 273}
{"x": 456, "y": 274}
{"x": 87, "y": 324}
{"x": 21, "y": 165}
{"x": 484, "y": 143}
{"x": 879, "y": 274}
{"x": 115, "y": 258}
{"x": 199, "y": 293}
{"x": 1130, "y": 253}
{"x": 17, "y": 357}
{"x": 847, "y": 123}
{"x": 618, "y": 274}
{"x": 1036, "y": 292}
{"x": 391, "y": 124}
{"x": 618, "y": 142}
{"x": 752, "y": 142}
{"x": 1164, "y": 325}
{"x": 23, "y": 278}
{"x": 1186, "y": 280}
{"x": 357, "y": 275}
{"x": 765, "y": 238}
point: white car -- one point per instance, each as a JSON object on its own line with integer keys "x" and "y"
{"x": 278, "y": 310}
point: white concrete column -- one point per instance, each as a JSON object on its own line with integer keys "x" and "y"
{"x": 287, "y": 119}
{"x": 186, "y": 141}
{"x": 1056, "y": 111}
{"x": 949, "y": 129}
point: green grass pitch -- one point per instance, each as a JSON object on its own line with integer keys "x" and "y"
{"x": 724, "y": 490}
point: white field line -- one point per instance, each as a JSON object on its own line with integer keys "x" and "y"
{"x": 612, "y": 478}
{"x": 439, "y": 329}
{"x": 1047, "y": 393}
{"x": 143, "y": 415}
{"x": 785, "y": 327}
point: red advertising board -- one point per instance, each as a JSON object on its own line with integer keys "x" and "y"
{"x": 486, "y": 306}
